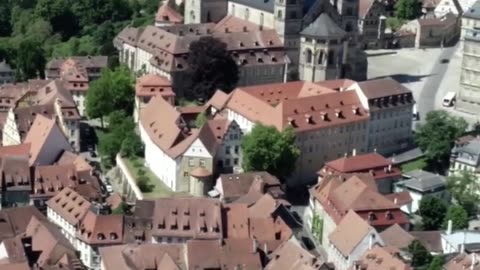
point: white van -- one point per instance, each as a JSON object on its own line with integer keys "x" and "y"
{"x": 449, "y": 99}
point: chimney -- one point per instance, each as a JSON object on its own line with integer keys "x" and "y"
{"x": 354, "y": 152}
{"x": 449, "y": 227}
{"x": 370, "y": 241}
{"x": 395, "y": 200}
{"x": 389, "y": 167}
{"x": 265, "y": 248}
{"x": 254, "y": 246}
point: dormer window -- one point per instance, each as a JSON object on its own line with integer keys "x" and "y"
{"x": 100, "y": 236}
{"x": 371, "y": 216}
{"x": 113, "y": 236}
{"x": 389, "y": 215}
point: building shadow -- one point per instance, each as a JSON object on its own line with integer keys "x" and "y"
{"x": 403, "y": 78}
{"x": 380, "y": 53}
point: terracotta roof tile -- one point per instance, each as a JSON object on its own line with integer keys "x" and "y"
{"x": 169, "y": 132}
{"x": 69, "y": 205}
{"x": 464, "y": 261}
{"x": 400, "y": 198}
{"x": 187, "y": 217}
{"x": 167, "y": 14}
{"x": 396, "y": 236}
{"x": 378, "y": 258}
{"x": 226, "y": 254}
{"x": 14, "y": 221}
{"x": 101, "y": 229}
{"x": 236, "y": 185}
{"x": 349, "y": 232}
{"x": 144, "y": 256}
{"x": 15, "y": 150}
{"x": 291, "y": 256}
{"x": 38, "y": 134}
{"x": 151, "y": 85}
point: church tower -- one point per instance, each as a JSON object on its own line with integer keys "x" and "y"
{"x": 288, "y": 15}
{"x": 204, "y": 11}
{"x": 323, "y": 51}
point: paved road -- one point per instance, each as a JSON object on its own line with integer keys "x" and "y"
{"x": 428, "y": 94}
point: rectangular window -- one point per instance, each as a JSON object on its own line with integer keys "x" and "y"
{"x": 191, "y": 162}
{"x": 237, "y": 149}
{"x": 202, "y": 163}
{"x": 227, "y": 150}
{"x": 235, "y": 161}
{"x": 227, "y": 162}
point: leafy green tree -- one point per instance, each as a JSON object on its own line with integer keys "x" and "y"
{"x": 132, "y": 145}
{"x": 30, "y": 60}
{"x": 267, "y": 149}
{"x": 201, "y": 120}
{"x": 465, "y": 190}
{"x": 394, "y": 23}
{"x": 407, "y": 9}
{"x": 58, "y": 13}
{"x": 420, "y": 255}
{"x": 111, "y": 92}
{"x": 458, "y": 216}
{"x": 432, "y": 210}
{"x": 436, "y": 263}
{"x": 437, "y": 136}
{"x": 39, "y": 31}
{"x": 109, "y": 145}
{"x": 210, "y": 68}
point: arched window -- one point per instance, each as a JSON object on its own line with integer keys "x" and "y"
{"x": 320, "y": 57}
{"x": 308, "y": 56}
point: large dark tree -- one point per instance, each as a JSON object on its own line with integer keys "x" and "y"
{"x": 432, "y": 210}
{"x": 211, "y": 68}
{"x": 437, "y": 136}
{"x": 420, "y": 255}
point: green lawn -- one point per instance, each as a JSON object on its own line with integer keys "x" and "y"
{"x": 160, "y": 190}
{"x": 418, "y": 164}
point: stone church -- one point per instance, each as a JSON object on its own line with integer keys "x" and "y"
{"x": 320, "y": 36}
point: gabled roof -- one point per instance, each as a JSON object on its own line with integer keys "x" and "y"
{"x": 152, "y": 85}
{"x": 167, "y": 14}
{"x": 291, "y": 256}
{"x": 165, "y": 127}
{"x": 396, "y": 236}
{"x": 349, "y": 233}
{"x": 14, "y": 221}
{"x": 324, "y": 27}
{"x": 38, "y": 134}
{"x": 51, "y": 245}
{"x": 70, "y": 205}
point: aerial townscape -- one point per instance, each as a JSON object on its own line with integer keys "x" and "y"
{"x": 239, "y": 134}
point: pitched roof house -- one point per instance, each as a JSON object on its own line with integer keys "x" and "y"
{"x": 166, "y": 15}
{"x": 46, "y": 140}
{"x": 170, "y": 140}
{"x": 335, "y": 196}
{"x": 350, "y": 240}
{"x": 383, "y": 170}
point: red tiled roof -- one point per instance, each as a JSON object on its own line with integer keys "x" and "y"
{"x": 167, "y": 14}
{"x": 338, "y": 198}
{"x": 101, "y": 229}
